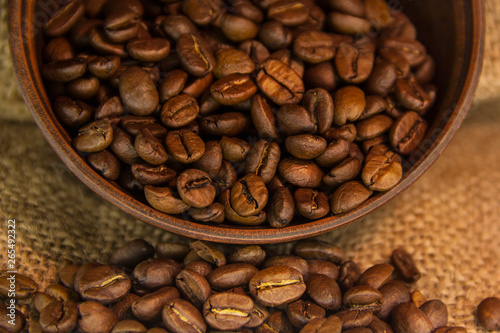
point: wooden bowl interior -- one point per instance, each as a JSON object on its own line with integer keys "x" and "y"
{"x": 451, "y": 30}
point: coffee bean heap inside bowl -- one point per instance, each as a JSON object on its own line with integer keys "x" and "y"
{"x": 204, "y": 287}
{"x": 246, "y": 112}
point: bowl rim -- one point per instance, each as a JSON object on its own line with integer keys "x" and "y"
{"x": 22, "y": 46}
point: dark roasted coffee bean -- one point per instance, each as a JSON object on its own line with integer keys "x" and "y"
{"x": 281, "y": 208}
{"x": 149, "y": 307}
{"x": 138, "y": 91}
{"x": 105, "y": 163}
{"x": 348, "y": 197}
{"x": 277, "y": 285}
{"x": 332, "y": 324}
{"x": 109, "y": 107}
{"x": 381, "y": 173}
{"x": 175, "y": 251}
{"x": 407, "y": 132}
{"x": 300, "y": 173}
{"x": 347, "y": 170}
{"x": 311, "y": 203}
{"x": 233, "y": 89}
{"x": 194, "y": 55}
{"x": 258, "y": 316}
{"x": 301, "y": 312}
{"x": 229, "y": 124}
{"x": 348, "y": 24}
{"x": 149, "y": 50}
{"x": 249, "y": 195}
{"x": 411, "y": 95}
{"x": 193, "y": 286}
{"x": 79, "y": 35}
{"x": 181, "y": 316}
{"x": 406, "y": 317}
{"x": 179, "y": 111}
{"x": 202, "y": 11}
{"x": 153, "y": 274}
{"x": 129, "y": 326}
{"x": 274, "y": 35}
{"x": 209, "y": 252}
{"x": 372, "y": 127}
{"x": 238, "y": 28}
{"x": 345, "y": 132}
{"x": 379, "y": 326}
{"x": 405, "y": 265}
{"x": 64, "y": 19}
{"x": 232, "y": 61}
{"x": 335, "y": 152}
{"x": 123, "y": 147}
{"x": 176, "y": 25}
{"x": 71, "y": 112}
{"x": 349, "y": 273}
{"x": 152, "y": 175}
{"x": 64, "y": 70}
{"x": 319, "y": 103}
{"x": 349, "y": 104}
{"x": 324, "y": 267}
{"x": 436, "y": 311}
{"x": 211, "y": 161}
{"x": 255, "y": 50}
{"x": 123, "y": 309}
{"x": 253, "y": 255}
{"x": 411, "y": 49}
{"x": 185, "y": 146}
{"x": 226, "y": 177}
{"x": 488, "y": 313}
{"x": 322, "y": 76}
{"x": 393, "y": 293}
{"x": 149, "y": 148}
{"x": 290, "y": 261}
{"x": 213, "y": 213}
{"x": 234, "y": 149}
{"x": 102, "y": 45}
{"x": 355, "y": 318}
{"x": 305, "y": 146}
{"x": 172, "y": 84}
{"x": 382, "y": 79}
{"x": 314, "y": 47}
{"x": 165, "y": 200}
{"x": 197, "y": 265}
{"x": 376, "y": 275}
{"x": 59, "y": 316}
{"x": 316, "y": 249}
{"x": 231, "y": 275}
{"x": 280, "y": 83}
{"x": 324, "y": 291}
{"x": 132, "y": 253}
{"x": 97, "y": 282}
{"x": 94, "y": 137}
{"x": 293, "y": 119}
{"x": 95, "y": 317}
{"x": 61, "y": 293}
{"x": 227, "y": 311}
{"x": 354, "y": 61}
{"x": 16, "y": 285}
{"x": 67, "y": 275}
{"x": 362, "y": 297}
{"x": 121, "y": 24}
{"x": 289, "y": 13}
{"x": 195, "y": 188}
{"x": 104, "y": 67}
{"x": 83, "y": 88}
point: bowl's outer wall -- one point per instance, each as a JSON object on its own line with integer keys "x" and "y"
{"x": 452, "y": 31}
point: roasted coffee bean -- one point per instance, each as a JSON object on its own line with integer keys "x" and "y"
{"x": 185, "y": 146}
{"x": 209, "y": 252}
{"x": 348, "y": 24}
{"x": 302, "y": 312}
{"x": 95, "y": 317}
{"x": 155, "y": 273}
{"x": 109, "y": 108}
{"x": 195, "y": 188}
{"x": 175, "y": 251}
{"x": 104, "y": 67}
{"x": 193, "y": 286}
{"x": 59, "y": 316}
{"x": 152, "y": 175}
{"x": 202, "y": 11}
{"x": 311, "y": 203}
{"x": 316, "y": 249}
{"x": 314, "y": 46}
{"x": 64, "y": 70}
{"x": 411, "y": 95}
{"x": 102, "y": 45}
{"x": 289, "y": 13}
{"x": 175, "y": 25}
{"x": 407, "y": 132}
{"x": 181, "y": 316}
{"x": 149, "y": 307}
{"x": 238, "y": 28}
{"x": 227, "y": 311}
{"x": 252, "y": 255}
{"x": 279, "y": 82}
{"x": 355, "y": 318}
{"x": 97, "y": 282}
{"x": 281, "y": 208}
{"x": 488, "y": 313}
{"x": 449, "y": 329}
{"x": 232, "y": 61}
{"x": 211, "y": 161}
{"x": 126, "y": 326}
{"x": 64, "y": 19}
{"x": 123, "y": 309}
{"x": 336, "y": 152}
{"x": 234, "y": 149}
{"x": 194, "y": 55}
{"x": 381, "y": 173}
{"x": 133, "y": 124}
{"x": 347, "y": 170}
{"x": 382, "y": 79}
{"x": 436, "y": 311}
{"x": 165, "y": 200}
{"x": 293, "y": 119}
{"x": 349, "y": 104}
{"x": 276, "y": 322}
{"x": 61, "y": 293}
{"x": 71, "y": 112}
{"x": 379, "y": 326}
{"x": 67, "y": 275}
{"x": 411, "y": 49}
{"x": 277, "y": 285}
{"x": 305, "y": 146}
{"x": 149, "y": 50}
{"x": 322, "y": 76}
{"x": 226, "y": 177}
{"x": 249, "y": 195}
{"x": 323, "y": 325}
{"x": 319, "y": 103}
{"x": 362, "y": 297}
{"x": 274, "y": 35}
{"x": 263, "y": 118}
{"x": 105, "y": 163}
{"x": 149, "y": 148}
{"x": 229, "y": 124}
{"x": 345, "y": 132}
{"x": 172, "y": 84}
{"x": 94, "y": 137}
{"x": 324, "y": 267}
{"x": 349, "y": 196}
{"x": 83, "y": 88}
{"x": 197, "y": 265}
{"x": 16, "y": 285}
{"x": 300, "y": 173}
{"x": 198, "y": 85}
{"x": 324, "y": 291}
{"x": 354, "y": 61}
{"x": 405, "y": 265}
{"x": 376, "y": 276}
{"x": 138, "y": 91}
{"x": 258, "y": 316}
{"x": 233, "y": 89}
{"x": 393, "y": 293}
{"x": 132, "y": 253}
{"x": 406, "y": 317}
{"x": 179, "y": 111}
{"x": 372, "y": 127}
{"x": 212, "y": 213}
{"x": 418, "y": 298}
{"x": 121, "y": 24}
{"x": 255, "y": 50}
{"x": 231, "y": 275}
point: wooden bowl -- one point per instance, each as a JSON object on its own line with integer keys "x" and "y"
{"x": 452, "y": 31}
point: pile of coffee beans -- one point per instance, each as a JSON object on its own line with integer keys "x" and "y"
{"x": 241, "y": 111}
{"x": 204, "y": 287}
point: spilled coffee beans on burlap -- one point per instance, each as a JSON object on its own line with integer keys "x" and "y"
{"x": 240, "y": 111}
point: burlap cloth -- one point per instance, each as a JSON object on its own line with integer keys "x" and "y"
{"x": 449, "y": 219}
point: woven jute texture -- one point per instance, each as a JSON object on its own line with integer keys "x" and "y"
{"x": 449, "y": 219}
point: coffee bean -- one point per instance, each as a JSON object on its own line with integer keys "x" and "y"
{"x": 197, "y": 265}
{"x": 211, "y": 161}
{"x": 64, "y": 70}
{"x": 227, "y": 311}
{"x": 436, "y": 311}
{"x": 195, "y": 188}
{"x": 152, "y": 175}
{"x": 348, "y": 197}
{"x": 233, "y": 89}
{"x": 319, "y": 103}
{"x": 232, "y": 61}
{"x": 95, "y": 317}
{"x": 194, "y": 55}
{"x": 314, "y": 46}
{"x": 324, "y": 267}
{"x": 407, "y": 132}
{"x": 281, "y": 208}
{"x": 64, "y": 19}
{"x": 67, "y": 275}
{"x": 212, "y": 213}
{"x": 310, "y": 203}
{"x": 300, "y": 173}
{"x": 105, "y": 163}
{"x": 279, "y": 82}
{"x": 181, "y": 316}
{"x": 179, "y": 111}
{"x": 381, "y": 173}
{"x": 16, "y": 284}
{"x": 406, "y": 317}
{"x": 347, "y": 170}
{"x": 372, "y": 127}
{"x": 355, "y": 318}
{"x": 185, "y": 146}
{"x": 305, "y": 146}
{"x": 316, "y": 249}
{"x": 290, "y": 261}
{"x": 411, "y": 49}
{"x": 354, "y": 61}
{"x": 322, "y": 325}
{"x": 226, "y": 177}
{"x": 249, "y": 195}
{"x": 126, "y": 326}
{"x": 149, "y": 148}
{"x": 349, "y": 103}
{"x": 321, "y": 75}
{"x": 132, "y": 253}
{"x": 193, "y": 286}
{"x": 336, "y": 152}
{"x": 155, "y": 273}
{"x": 252, "y": 255}
{"x": 277, "y": 285}
{"x": 324, "y": 291}
{"x": 149, "y": 50}
{"x": 362, "y": 297}
{"x": 59, "y": 316}
{"x": 71, "y": 112}
{"x": 488, "y": 313}
{"x": 275, "y": 36}
{"x": 229, "y": 124}
{"x": 293, "y": 119}
{"x": 105, "y": 284}
{"x": 346, "y": 132}
{"x": 123, "y": 308}
{"x": 202, "y": 11}
{"x": 149, "y": 307}
{"x": 405, "y": 265}
{"x": 393, "y": 293}
{"x": 121, "y": 24}
{"x": 209, "y": 252}
{"x": 165, "y": 200}
{"x": 238, "y": 28}
{"x": 302, "y": 312}
{"x": 376, "y": 276}
{"x": 348, "y": 24}
{"x": 138, "y": 92}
